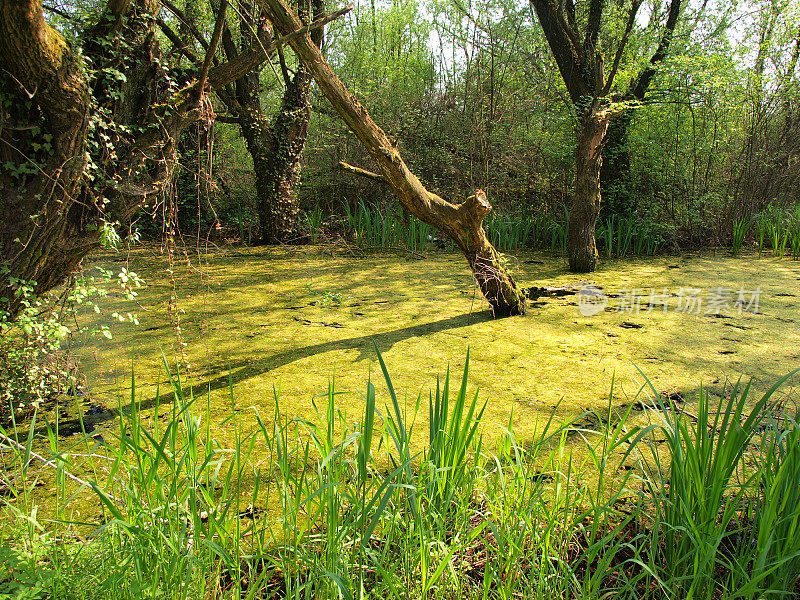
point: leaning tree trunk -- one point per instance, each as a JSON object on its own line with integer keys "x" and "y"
{"x": 581, "y": 245}
{"x": 462, "y": 222}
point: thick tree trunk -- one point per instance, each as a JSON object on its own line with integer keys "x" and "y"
{"x": 462, "y": 222}
{"x": 275, "y": 149}
{"x": 581, "y": 245}
{"x": 279, "y": 215}
{"x": 52, "y": 213}
{"x": 81, "y": 149}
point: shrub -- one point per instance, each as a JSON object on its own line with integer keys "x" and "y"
{"x": 33, "y": 365}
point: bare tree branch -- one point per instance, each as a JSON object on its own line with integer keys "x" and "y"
{"x": 362, "y": 172}
{"x": 622, "y": 43}
{"x": 641, "y": 83}
{"x": 212, "y": 49}
{"x": 189, "y": 23}
{"x": 177, "y": 42}
{"x": 251, "y": 58}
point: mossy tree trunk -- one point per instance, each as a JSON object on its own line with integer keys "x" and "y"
{"x": 88, "y": 135}
{"x": 278, "y": 210}
{"x": 461, "y": 222}
{"x": 66, "y": 125}
{"x": 275, "y": 147}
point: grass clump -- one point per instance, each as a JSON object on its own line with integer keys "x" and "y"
{"x": 324, "y": 507}
{"x": 778, "y": 229}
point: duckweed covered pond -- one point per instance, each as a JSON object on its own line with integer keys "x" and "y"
{"x": 288, "y": 319}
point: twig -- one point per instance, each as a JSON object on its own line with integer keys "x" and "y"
{"x": 362, "y": 172}
{"x": 176, "y": 41}
{"x": 215, "y": 38}
{"x": 50, "y": 463}
{"x": 189, "y": 23}
{"x": 253, "y": 57}
{"x": 61, "y": 13}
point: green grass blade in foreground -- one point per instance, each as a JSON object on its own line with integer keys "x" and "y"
{"x": 345, "y": 524}
{"x": 697, "y": 515}
{"x": 398, "y": 430}
{"x": 365, "y": 439}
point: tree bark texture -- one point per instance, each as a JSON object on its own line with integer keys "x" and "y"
{"x": 51, "y": 217}
{"x": 461, "y": 222}
{"x": 279, "y": 215}
{"x": 278, "y": 210}
{"x": 581, "y": 245}
{"x": 275, "y": 148}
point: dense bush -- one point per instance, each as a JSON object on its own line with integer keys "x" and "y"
{"x": 31, "y": 367}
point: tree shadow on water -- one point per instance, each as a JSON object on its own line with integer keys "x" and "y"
{"x": 242, "y": 370}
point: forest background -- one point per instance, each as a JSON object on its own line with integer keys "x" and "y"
{"x": 474, "y": 99}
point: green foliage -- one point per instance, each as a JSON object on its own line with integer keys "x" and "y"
{"x": 778, "y": 228}
{"x": 31, "y": 368}
{"x": 24, "y": 575}
{"x": 33, "y": 365}
{"x": 508, "y": 233}
{"x": 450, "y": 440}
{"x": 361, "y": 512}
{"x": 794, "y": 235}
{"x": 313, "y": 221}
{"x": 372, "y": 227}
{"x": 621, "y": 236}
{"x": 718, "y": 504}
{"x": 334, "y": 300}
{"x": 776, "y": 552}
{"x": 741, "y": 227}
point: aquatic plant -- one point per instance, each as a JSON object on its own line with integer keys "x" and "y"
{"x": 740, "y": 229}
{"x": 676, "y": 506}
